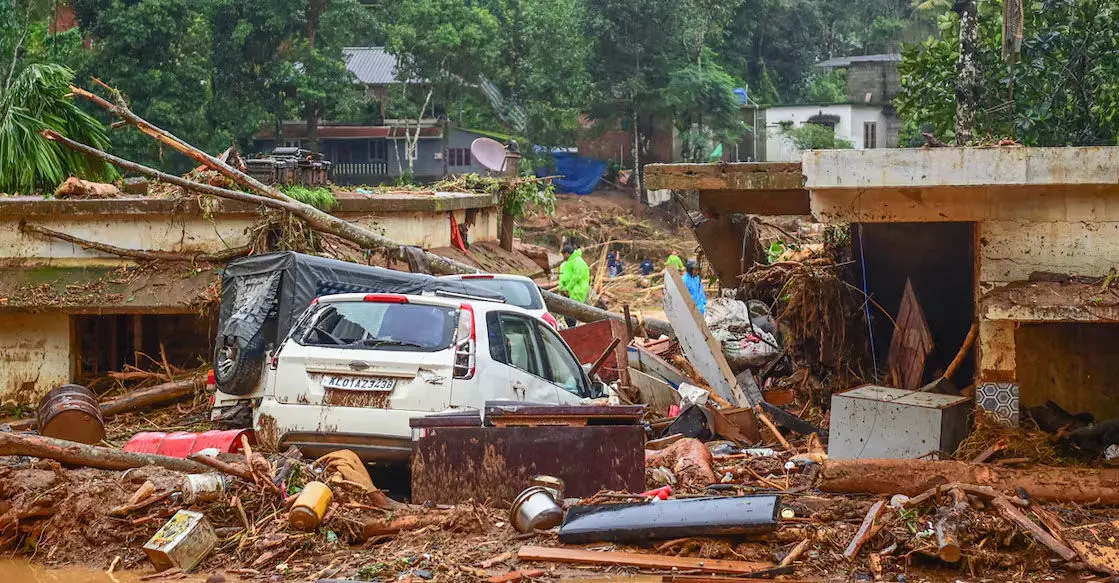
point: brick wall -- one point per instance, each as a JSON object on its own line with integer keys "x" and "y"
{"x": 880, "y": 79}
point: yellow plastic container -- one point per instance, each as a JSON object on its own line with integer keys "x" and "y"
{"x": 310, "y": 506}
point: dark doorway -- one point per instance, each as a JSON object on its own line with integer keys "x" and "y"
{"x": 939, "y": 259}
{"x": 107, "y": 343}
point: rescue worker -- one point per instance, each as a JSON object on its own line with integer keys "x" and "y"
{"x": 674, "y": 262}
{"x": 647, "y": 267}
{"x": 575, "y": 277}
{"x": 694, "y": 283}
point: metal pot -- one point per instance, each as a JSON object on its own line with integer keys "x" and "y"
{"x": 534, "y": 509}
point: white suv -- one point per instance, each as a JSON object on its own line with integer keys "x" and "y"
{"x": 357, "y": 367}
{"x": 518, "y": 290}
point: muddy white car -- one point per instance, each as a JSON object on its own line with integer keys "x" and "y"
{"x": 518, "y": 290}
{"x": 332, "y": 371}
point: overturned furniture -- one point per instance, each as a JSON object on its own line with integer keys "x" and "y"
{"x": 458, "y": 457}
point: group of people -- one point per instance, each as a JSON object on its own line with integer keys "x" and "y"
{"x": 575, "y": 274}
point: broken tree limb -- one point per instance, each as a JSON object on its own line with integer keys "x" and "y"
{"x": 141, "y": 254}
{"x": 986, "y": 492}
{"x": 121, "y": 110}
{"x": 796, "y": 552}
{"x": 69, "y": 452}
{"x": 1014, "y": 515}
{"x": 912, "y": 477}
{"x": 223, "y": 467}
{"x": 948, "y": 525}
{"x": 866, "y": 529}
{"x": 327, "y": 223}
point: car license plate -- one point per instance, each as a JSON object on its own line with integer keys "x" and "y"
{"x": 359, "y": 383}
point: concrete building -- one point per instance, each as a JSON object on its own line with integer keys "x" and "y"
{"x": 71, "y": 314}
{"x": 866, "y": 118}
{"x": 1021, "y": 239}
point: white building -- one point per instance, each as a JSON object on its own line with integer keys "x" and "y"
{"x": 863, "y": 125}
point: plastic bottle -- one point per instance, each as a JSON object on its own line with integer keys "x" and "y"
{"x": 310, "y": 506}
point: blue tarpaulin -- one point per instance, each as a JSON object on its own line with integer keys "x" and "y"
{"x": 579, "y": 175}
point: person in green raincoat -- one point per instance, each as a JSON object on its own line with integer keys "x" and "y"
{"x": 674, "y": 262}
{"x": 575, "y": 277}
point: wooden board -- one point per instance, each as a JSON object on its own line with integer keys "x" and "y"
{"x": 1097, "y": 545}
{"x": 702, "y": 349}
{"x": 656, "y": 394}
{"x": 911, "y": 343}
{"x": 643, "y": 560}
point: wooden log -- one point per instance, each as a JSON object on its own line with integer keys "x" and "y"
{"x": 1014, "y": 515}
{"x": 865, "y": 531}
{"x": 154, "y": 395}
{"x": 912, "y": 477}
{"x": 947, "y": 528}
{"x": 78, "y": 454}
{"x": 641, "y": 560}
{"x": 223, "y": 467}
{"x": 74, "y": 187}
{"x": 374, "y": 528}
{"x": 796, "y": 552}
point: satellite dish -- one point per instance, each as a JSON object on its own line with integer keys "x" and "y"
{"x": 489, "y": 153}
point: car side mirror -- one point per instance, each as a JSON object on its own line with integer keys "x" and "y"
{"x": 598, "y": 389}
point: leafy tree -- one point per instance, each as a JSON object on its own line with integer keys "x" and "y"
{"x": 814, "y": 136}
{"x": 157, "y": 52}
{"x": 541, "y": 65}
{"x": 1064, "y": 83}
{"x": 440, "y": 45}
{"x": 34, "y": 101}
{"x": 707, "y": 112}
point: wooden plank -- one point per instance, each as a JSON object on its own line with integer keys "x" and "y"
{"x": 653, "y": 365}
{"x": 702, "y": 349}
{"x": 656, "y": 394}
{"x": 642, "y": 560}
{"x": 1014, "y": 515}
{"x": 1097, "y": 545}
{"x": 866, "y": 529}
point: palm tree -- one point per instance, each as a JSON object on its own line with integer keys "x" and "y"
{"x": 37, "y": 100}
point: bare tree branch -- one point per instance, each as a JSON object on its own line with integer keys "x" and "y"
{"x": 141, "y": 254}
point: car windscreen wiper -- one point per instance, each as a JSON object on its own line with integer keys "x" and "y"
{"x": 374, "y": 342}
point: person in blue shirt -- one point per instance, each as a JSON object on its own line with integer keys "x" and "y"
{"x": 647, "y": 267}
{"x": 694, "y": 283}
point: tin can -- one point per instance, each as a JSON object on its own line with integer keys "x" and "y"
{"x": 310, "y": 506}
{"x": 203, "y": 487}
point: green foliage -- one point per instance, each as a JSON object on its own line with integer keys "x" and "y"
{"x": 36, "y": 101}
{"x": 518, "y": 196}
{"x": 319, "y": 197}
{"x": 702, "y": 101}
{"x": 813, "y": 136}
{"x": 827, "y": 87}
{"x": 1065, "y": 89}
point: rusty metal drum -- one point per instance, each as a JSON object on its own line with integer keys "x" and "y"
{"x": 71, "y": 412}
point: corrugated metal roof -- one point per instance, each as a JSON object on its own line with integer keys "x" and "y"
{"x": 371, "y": 65}
{"x": 846, "y": 61}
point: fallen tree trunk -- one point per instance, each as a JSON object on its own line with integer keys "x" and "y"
{"x": 565, "y": 306}
{"x": 912, "y": 477}
{"x": 154, "y": 395}
{"x": 327, "y": 223}
{"x": 948, "y": 527}
{"x": 78, "y": 454}
{"x": 141, "y": 254}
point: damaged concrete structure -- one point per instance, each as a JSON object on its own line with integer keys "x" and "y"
{"x": 71, "y": 313}
{"x": 1023, "y": 239}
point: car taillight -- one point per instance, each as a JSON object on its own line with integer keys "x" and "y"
{"x": 466, "y": 338}
{"x": 551, "y": 320}
{"x": 315, "y": 302}
{"x": 386, "y": 298}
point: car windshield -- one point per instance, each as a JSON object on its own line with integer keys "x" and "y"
{"x": 520, "y": 293}
{"x": 381, "y": 326}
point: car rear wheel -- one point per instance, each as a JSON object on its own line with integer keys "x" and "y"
{"x": 237, "y": 368}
